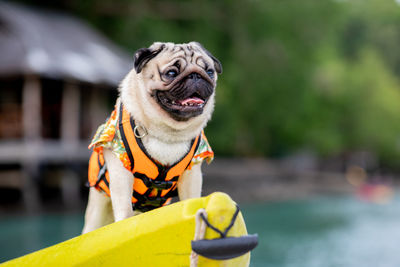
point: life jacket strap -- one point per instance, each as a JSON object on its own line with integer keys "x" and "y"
{"x": 146, "y": 203}
{"x": 156, "y": 184}
{"x": 101, "y": 175}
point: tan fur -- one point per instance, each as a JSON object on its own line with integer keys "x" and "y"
{"x": 153, "y": 118}
{"x": 167, "y": 140}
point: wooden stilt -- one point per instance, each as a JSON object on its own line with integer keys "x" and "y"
{"x": 97, "y": 109}
{"x": 70, "y": 127}
{"x": 31, "y": 109}
{"x": 70, "y": 115}
{"x": 32, "y": 125}
{"x": 70, "y": 188}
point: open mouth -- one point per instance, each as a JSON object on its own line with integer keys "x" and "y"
{"x": 181, "y": 109}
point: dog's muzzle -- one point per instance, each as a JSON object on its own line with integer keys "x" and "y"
{"x": 187, "y": 98}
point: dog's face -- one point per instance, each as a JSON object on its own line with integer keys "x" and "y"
{"x": 179, "y": 78}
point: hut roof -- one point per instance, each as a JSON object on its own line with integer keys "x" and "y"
{"x": 58, "y": 46}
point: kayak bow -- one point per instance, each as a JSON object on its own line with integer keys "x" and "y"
{"x": 161, "y": 237}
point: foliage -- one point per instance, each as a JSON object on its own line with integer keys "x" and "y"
{"x": 320, "y": 75}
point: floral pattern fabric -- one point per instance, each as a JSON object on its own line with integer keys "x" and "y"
{"x": 108, "y": 136}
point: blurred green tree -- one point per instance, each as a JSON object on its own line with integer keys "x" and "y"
{"x": 320, "y": 75}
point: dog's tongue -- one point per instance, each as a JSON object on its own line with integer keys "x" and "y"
{"x": 191, "y": 101}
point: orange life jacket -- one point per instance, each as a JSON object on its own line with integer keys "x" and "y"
{"x": 154, "y": 184}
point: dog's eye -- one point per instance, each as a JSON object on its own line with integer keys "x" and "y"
{"x": 210, "y": 73}
{"x": 171, "y": 73}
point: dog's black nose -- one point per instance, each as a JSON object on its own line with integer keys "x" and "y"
{"x": 194, "y": 76}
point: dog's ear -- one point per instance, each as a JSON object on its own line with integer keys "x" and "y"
{"x": 143, "y": 56}
{"x": 217, "y": 63}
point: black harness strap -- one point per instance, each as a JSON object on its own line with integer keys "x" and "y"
{"x": 156, "y": 184}
{"x": 124, "y": 139}
{"x": 102, "y": 173}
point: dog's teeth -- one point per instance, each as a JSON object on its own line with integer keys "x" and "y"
{"x": 173, "y": 102}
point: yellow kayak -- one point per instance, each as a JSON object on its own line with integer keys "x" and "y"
{"x": 161, "y": 237}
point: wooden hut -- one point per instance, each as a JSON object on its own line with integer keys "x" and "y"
{"x": 58, "y": 81}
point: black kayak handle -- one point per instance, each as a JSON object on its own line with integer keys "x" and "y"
{"x": 225, "y": 248}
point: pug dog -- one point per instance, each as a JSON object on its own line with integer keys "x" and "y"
{"x": 152, "y": 146}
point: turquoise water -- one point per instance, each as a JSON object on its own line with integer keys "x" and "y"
{"x": 320, "y": 231}
{"x": 20, "y": 235}
{"x": 325, "y": 231}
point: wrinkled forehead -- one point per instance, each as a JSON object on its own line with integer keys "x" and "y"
{"x": 186, "y": 54}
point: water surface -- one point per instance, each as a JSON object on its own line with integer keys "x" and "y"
{"x": 316, "y": 232}
{"x": 325, "y": 232}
